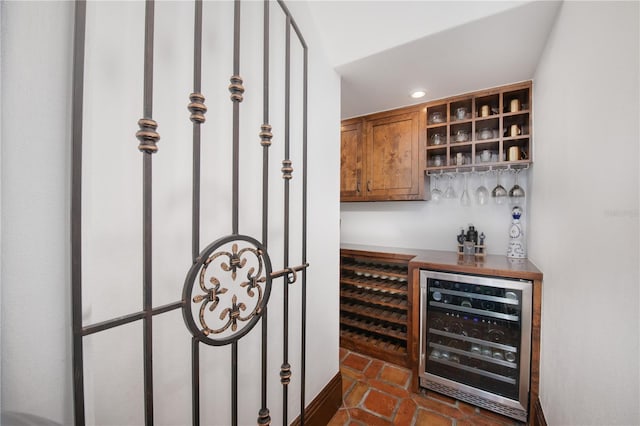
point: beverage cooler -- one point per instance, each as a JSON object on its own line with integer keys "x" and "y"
{"x": 475, "y": 340}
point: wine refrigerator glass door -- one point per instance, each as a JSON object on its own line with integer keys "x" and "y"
{"x": 475, "y": 339}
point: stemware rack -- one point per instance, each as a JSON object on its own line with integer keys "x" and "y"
{"x": 501, "y": 168}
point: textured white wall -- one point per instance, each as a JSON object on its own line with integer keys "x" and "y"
{"x": 585, "y": 214}
{"x": 36, "y": 196}
{"x": 36, "y": 326}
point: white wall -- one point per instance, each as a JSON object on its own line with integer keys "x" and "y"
{"x": 36, "y": 195}
{"x": 36, "y": 326}
{"x": 584, "y": 212}
{"x": 1, "y": 56}
{"x": 431, "y": 225}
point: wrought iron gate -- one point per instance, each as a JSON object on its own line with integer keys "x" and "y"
{"x": 235, "y": 265}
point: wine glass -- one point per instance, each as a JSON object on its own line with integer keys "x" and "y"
{"x": 516, "y": 193}
{"x": 436, "y": 194}
{"x": 482, "y": 193}
{"x": 499, "y": 194}
{"x": 465, "y": 200}
{"x": 450, "y": 193}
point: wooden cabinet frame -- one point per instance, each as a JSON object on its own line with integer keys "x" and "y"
{"x": 391, "y": 167}
{"x": 382, "y": 298}
{"x": 351, "y": 160}
{"x": 490, "y": 132}
{"x": 418, "y": 264}
{"x": 367, "y": 174}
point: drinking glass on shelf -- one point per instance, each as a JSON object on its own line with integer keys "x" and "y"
{"x": 450, "y": 193}
{"x": 482, "y": 193}
{"x": 499, "y": 194}
{"x": 436, "y": 194}
{"x": 465, "y": 200}
{"x": 516, "y": 193}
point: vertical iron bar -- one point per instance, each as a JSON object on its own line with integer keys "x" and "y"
{"x": 235, "y": 193}
{"x": 195, "y": 382}
{"x": 148, "y": 330}
{"x": 263, "y": 415}
{"x": 197, "y": 117}
{"x": 287, "y": 94}
{"x": 197, "y": 78}
{"x": 234, "y": 383}
{"x": 195, "y": 208}
{"x": 303, "y": 360}
{"x": 236, "y": 118}
{"x": 147, "y": 216}
{"x": 265, "y": 120}
{"x": 76, "y": 210}
{"x": 197, "y": 47}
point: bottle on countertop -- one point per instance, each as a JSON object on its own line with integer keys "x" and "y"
{"x": 472, "y": 234}
{"x": 461, "y": 239}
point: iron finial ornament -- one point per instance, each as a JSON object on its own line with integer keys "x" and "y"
{"x": 236, "y": 88}
{"x": 287, "y": 169}
{"x": 147, "y": 135}
{"x": 285, "y": 374}
{"x": 264, "y": 419}
{"x": 197, "y": 108}
{"x": 265, "y": 135}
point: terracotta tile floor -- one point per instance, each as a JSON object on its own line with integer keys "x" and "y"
{"x": 376, "y": 393}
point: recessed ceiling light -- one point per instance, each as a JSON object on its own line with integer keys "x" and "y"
{"x": 418, "y": 94}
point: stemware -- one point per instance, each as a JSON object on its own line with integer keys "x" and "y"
{"x": 436, "y": 194}
{"x": 516, "y": 193}
{"x": 499, "y": 194}
{"x": 465, "y": 200}
{"x": 450, "y": 193}
{"x": 482, "y": 193}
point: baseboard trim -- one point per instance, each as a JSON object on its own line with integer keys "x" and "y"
{"x": 538, "y": 415}
{"x": 324, "y": 406}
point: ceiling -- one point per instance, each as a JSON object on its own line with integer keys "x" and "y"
{"x": 384, "y": 50}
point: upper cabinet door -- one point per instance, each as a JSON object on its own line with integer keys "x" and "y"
{"x": 393, "y": 158}
{"x": 351, "y": 167}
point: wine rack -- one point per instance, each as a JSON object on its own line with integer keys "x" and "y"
{"x": 374, "y": 305}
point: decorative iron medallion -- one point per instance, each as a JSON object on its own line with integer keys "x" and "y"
{"x": 226, "y": 290}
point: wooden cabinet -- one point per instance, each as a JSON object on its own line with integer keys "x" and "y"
{"x": 351, "y": 169}
{"x": 381, "y": 157}
{"x": 374, "y": 304}
{"x": 480, "y": 130}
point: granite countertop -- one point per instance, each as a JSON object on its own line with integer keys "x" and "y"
{"x": 491, "y": 264}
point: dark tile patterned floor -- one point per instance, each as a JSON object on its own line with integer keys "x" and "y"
{"x": 376, "y": 393}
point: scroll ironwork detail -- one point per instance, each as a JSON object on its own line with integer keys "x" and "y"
{"x": 221, "y": 295}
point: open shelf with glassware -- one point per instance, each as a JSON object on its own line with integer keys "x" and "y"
{"x": 481, "y": 130}
{"x": 374, "y": 301}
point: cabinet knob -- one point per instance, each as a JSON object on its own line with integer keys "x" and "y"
{"x": 358, "y": 187}
{"x": 369, "y": 186}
